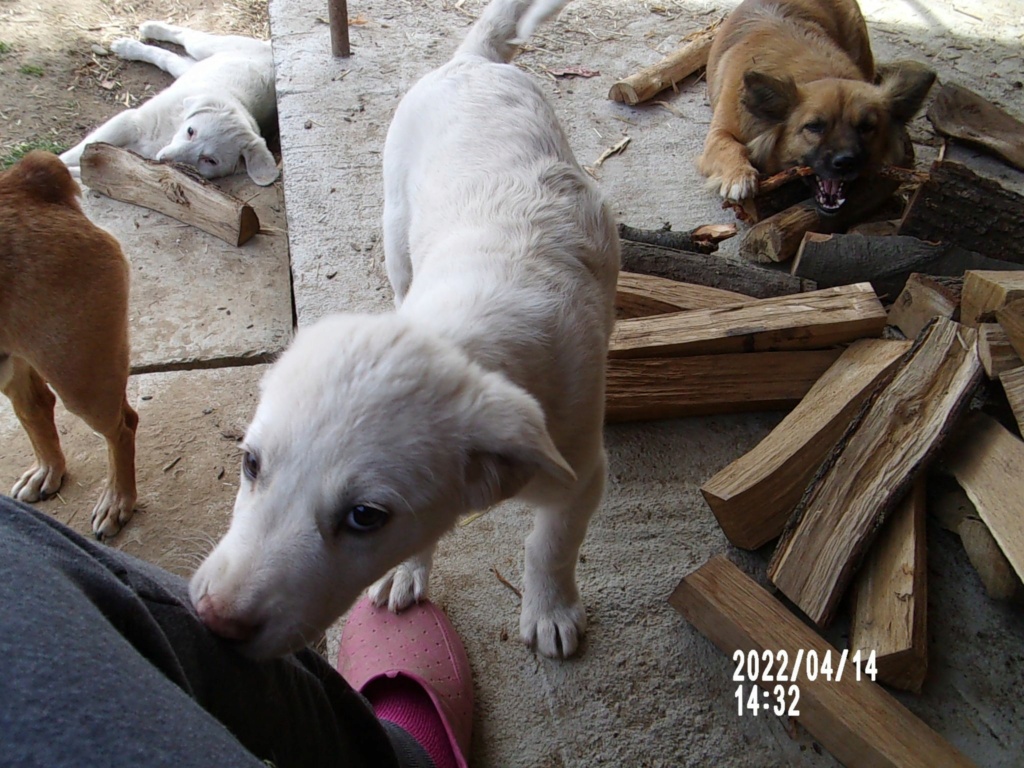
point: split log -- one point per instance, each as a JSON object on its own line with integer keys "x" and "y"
{"x": 645, "y": 295}
{"x": 986, "y": 460}
{"x": 852, "y": 717}
{"x": 717, "y": 272}
{"x": 808, "y": 321}
{"x": 1011, "y": 319}
{"x": 673, "y": 387}
{"x": 986, "y": 291}
{"x": 962, "y": 114}
{"x": 886, "y": 262}
{"x": 923, "y": 298}
{"x": 872, "y": 468}
{"x": 753, "y": 497}
{"x": 890, "y": 608}
{"x": 674, "y": 68}
{"x": 1013, "y": 384}
{"x": 995, "y": 351}
{"x": 958, "y": 207}
{"x": 994, "y": 570}
{"x": 173, "y": 190}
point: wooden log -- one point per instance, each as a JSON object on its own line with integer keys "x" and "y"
{"x": 986, "y": 291}
{"x": 994, "y": 570}
{"x": 778, "y": 237}
{"x": 1013, "y": 385}
{"x": 337, "y": 19}
{"x": 645, "y": 295}
{"x": 666, "y": 388}
{"x": 986, "y": 460}
{"x": 753, "y": 497}
{"x": 923, "y": 298}
{"x": 172, "y": 190}
{"x": 808, "y": 321}
{"x": 957, "y": 206}
{"x": 852, "y": 717}
{"x": 666, "y": 237}
{"x": 1011, "y": 319}
{"x": 890, "y": 609}
{"x": 884, "y": 261}
{"x": 717, "y": 272}
{"x": 675, "y": 67}
{"x": 872, "y": 468}
{"x": 962, "y": 114}
{"x": 995, "y": 351}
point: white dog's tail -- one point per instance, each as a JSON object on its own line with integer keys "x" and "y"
{"x": 504, "y": 24}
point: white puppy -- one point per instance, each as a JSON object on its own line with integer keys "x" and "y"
{"x": 210, "y": 116}
{"x": 374, "y": 433}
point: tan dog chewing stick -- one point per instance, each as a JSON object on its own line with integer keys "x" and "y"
{"x": 793, "y": 82}
{"x": 64, "y": 322}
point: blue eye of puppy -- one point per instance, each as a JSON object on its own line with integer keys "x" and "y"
{"x": 363, "y": 518}
{"x": 190, "y": 131}
{"x": 815, "y": 126}
{"x": 251, "y": 465}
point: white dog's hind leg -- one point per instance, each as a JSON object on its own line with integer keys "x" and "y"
{"x": 553, "y": 618}
{"x": 199, "y": 45}
{"x": 406, "y": 584}
{"x": 168, "y": 61}
{"x": 121, "y": 130}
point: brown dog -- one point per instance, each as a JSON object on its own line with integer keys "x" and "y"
{"x": 64, "y": 320}
{"x": 793, "y": 82}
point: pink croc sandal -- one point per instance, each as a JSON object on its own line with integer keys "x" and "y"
{"x": 418, "y": 644}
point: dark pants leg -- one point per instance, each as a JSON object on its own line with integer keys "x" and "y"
{"x": 104, "y": 662}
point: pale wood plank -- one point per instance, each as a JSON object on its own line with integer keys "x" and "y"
{"x": 985, "y": 291}
{"x": 1013, "y": 384}
{"x": 995, "y": 351}
{"x": 644, "y": 295}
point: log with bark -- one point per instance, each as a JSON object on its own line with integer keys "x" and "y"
{"x": 173, "y": 190}
{"x": 962, "y": 114}
{"x": 754, "y": 496}
{"x": 852, "y": 717}
{"x": 807, "y": 321}
{"x": 677, "y": 66}
{"x": 716, "y": 271}
{"x": 703, "y": 239}
{"x": 873, "y": 467}
{"x": 885, "y": 262}
{"x": 923, "y": 298}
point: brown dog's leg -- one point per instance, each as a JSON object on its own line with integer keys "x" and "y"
{"x": 33, "y": 404}
{"x": 726, "y": 163}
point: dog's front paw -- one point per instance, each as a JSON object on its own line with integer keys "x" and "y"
{"x": 738, "y": 185}
{"x": 403, "y": 586}
{"x": 40, "y": 482}
{"x": 126, "y": 48}
{"x": 111, "y": 513}
{"x": 553, "y": 628}
{"x": 154, "y": 30}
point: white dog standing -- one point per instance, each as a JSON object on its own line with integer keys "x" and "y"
{"x": 210, "y": 116}
{"x": 374, "y": 433}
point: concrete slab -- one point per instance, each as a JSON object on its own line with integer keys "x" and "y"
{"x": 186, "y": 462}
{"x": 196, "y": 301}
{"x": 647, "y": 689}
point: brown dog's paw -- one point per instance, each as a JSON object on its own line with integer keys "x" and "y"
{"x": 111, "y": 513}
{"x": 40, "y": 482}
{"x": 739, "y": 185}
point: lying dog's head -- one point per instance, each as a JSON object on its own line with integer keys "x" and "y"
{"x": 370, "y": 439}
{"x": 845, "y": 130}
{"x": 220, "y": 139}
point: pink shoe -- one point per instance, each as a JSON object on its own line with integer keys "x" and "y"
{"x": 421, "y": 645}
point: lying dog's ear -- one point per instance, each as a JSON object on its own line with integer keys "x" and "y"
{"x": 259, "y": 162}
{"x": 906, "y": 84}
{"x": 769, "y": 98}
{"x": 509, "y": 444}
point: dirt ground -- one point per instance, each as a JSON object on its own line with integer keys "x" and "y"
{"x": 57, "y": 78}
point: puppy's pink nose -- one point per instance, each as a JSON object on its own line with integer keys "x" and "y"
{"x": 225, "y": 626}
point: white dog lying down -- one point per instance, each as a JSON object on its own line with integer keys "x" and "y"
{"x": 374, "y": 433}
{"x": 210, "y": 116}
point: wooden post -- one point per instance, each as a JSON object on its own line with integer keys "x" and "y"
{"x": 337, "y": 16}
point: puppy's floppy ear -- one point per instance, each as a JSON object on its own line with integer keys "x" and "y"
{"x": 769, "y": 98}
{"x": 906, "y": 84}
{"x": 509, "y": 443}
{"x": 259, "y": 162}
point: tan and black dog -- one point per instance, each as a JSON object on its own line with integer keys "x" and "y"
{"x": 793, "y": 82}
{"x": 64, "y": 321}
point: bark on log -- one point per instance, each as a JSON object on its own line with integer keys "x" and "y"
{"x": 675, "y": 67}
{"x": 962, "y": 114}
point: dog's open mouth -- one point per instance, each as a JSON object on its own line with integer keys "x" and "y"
{"x": 829, "y": 194}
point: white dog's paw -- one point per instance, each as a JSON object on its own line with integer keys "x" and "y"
{"x": 155, "y": 30}
{"x": 40, "y": 482}
{"x": 403, "y": 586}
{"x": 552, "y": 629}
{"x": 111, "y": 513}
{"x": 126, "y": 48}
{"x": 739, "y": 185}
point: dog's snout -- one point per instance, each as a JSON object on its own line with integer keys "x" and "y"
{"x": 844, "y": 162}
{"x": 218, "y": 622}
